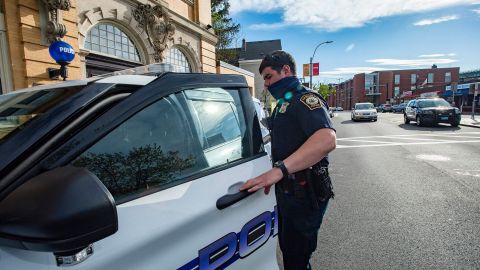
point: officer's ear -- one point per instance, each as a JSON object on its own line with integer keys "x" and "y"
{"x": 287, "y": 70}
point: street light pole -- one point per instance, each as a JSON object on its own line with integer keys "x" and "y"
{"x": 311, "y": 59}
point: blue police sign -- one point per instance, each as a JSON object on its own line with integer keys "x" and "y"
{"x": 61, "y": 52}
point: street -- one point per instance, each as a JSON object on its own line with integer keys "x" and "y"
{"x": 407, "y": 197}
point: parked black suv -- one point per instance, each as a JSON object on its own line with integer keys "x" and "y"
{"x": 431, "y": 111}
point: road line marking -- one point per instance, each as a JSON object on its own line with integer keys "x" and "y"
{"x": 406, "y": 138}
{"x": 459, "y": 136}
{"x": 419, "y": 139}
{"x": 402, "y": 144}
{"x": 408, "y": 135}
{"x": 366, "y": 141}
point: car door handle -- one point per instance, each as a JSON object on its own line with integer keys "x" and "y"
{"x": 230, "y": 199}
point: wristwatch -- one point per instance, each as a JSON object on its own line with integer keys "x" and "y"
{"x": 279, "y": 164}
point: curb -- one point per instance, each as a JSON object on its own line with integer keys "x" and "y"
{"x": 468, "y": 125}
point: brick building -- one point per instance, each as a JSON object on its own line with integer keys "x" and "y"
{"x": 393, "y": 86}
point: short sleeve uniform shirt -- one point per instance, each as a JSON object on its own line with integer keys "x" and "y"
{"x": 295, "y": 120}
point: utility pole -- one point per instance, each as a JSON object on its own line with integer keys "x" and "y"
{"x": 475, "y": 94}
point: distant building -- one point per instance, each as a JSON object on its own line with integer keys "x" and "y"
{"x": 249, "y": 57}
{"x": 394, "y": 86}
{"x": 463, "y": 93}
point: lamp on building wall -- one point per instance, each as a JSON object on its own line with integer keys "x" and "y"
{"x": 63, "y": 54}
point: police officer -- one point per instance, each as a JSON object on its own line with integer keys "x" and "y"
{"x": 302, "y": 135}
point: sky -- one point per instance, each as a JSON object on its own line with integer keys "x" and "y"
{"x": 367, "y": 35}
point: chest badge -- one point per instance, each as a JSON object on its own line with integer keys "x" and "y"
{"x": 311, "y": 101}
{"x": 283, "y": 108}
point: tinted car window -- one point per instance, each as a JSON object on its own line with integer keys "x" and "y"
{"x": 153, "y": 148}
{"x": 433, "y": 103}
{"x": 167, "y": 142}
{"x": 222, "y": 123}
{"x": 17, "y": 109}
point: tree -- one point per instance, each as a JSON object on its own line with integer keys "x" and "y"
{"x": 323, "y": 89}
{"x": 138, "y": 170}
{"x": 225, "y": 29}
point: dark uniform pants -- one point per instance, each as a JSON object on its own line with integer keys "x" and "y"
{"x": 298, "y": 228}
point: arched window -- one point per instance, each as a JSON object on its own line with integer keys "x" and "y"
{"x": 109, "y": 39}
{"x": 178, "y": 60}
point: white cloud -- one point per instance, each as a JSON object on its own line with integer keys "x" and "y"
{"x": 332, "y": 15}
{"x": 437, "y": 55}
{"x": 432, "y": 55}
{"x": 435, "y": 21}
{"x": 390, "y": 64}
{"x": 350, "y": 47}
{"x": 476, "y": 11}
{"x": 411, "y": 62}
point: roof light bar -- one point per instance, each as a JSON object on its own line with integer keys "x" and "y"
{"x": 152, "y": 69}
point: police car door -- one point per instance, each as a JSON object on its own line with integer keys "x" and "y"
{"x": 173, "y": 154}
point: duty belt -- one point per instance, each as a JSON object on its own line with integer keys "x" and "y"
{"x": 312, "y": 184}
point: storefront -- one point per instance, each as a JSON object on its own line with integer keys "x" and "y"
{"x": 463, "y": 96}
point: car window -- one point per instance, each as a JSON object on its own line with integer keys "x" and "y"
{"x": 167, "y": 142}
{"x": 433, "y": 103}
{"x": 221, "y": 123}
{"x": 363, "y": 106}
{"x": 17, "y": 109}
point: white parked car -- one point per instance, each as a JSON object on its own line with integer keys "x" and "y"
{"x": 364, "y": 111}
{"x": 134, "y": 172}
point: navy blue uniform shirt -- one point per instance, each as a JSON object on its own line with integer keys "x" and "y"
{"x": 297, "y": 116}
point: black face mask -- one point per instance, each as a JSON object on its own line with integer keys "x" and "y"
{"x": 280, "y": 87}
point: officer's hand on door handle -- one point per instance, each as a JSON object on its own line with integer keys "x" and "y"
{"x": 265, "y": 180}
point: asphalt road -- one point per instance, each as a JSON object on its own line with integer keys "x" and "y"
{"x": 407, "y": 197}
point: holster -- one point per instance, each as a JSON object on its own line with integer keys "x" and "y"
{"x": 323, "y": 183}
{"x": 313, "y": 184}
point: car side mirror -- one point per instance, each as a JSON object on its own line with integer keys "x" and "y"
{"x": 60, "y": 210}
{"x": 414, "y": 107}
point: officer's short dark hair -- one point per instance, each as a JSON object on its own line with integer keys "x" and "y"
{"x": 276, "y": 60}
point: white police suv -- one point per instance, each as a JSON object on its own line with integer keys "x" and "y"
{"x": 134, "y": 172}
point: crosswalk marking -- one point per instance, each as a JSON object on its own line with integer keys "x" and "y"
{"x": 399, "y": 140}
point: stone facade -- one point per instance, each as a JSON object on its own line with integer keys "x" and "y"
{"x": 179, "y": 24}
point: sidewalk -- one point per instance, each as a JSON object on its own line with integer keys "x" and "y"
{"x": 467, "y": 121}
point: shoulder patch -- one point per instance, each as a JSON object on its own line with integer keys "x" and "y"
{"x": 311, "y": 101}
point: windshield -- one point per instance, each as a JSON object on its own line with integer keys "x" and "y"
{"x": 17, "y": 109}
{"x": 433, "y": 103}
{"x": 364, "y": 106}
